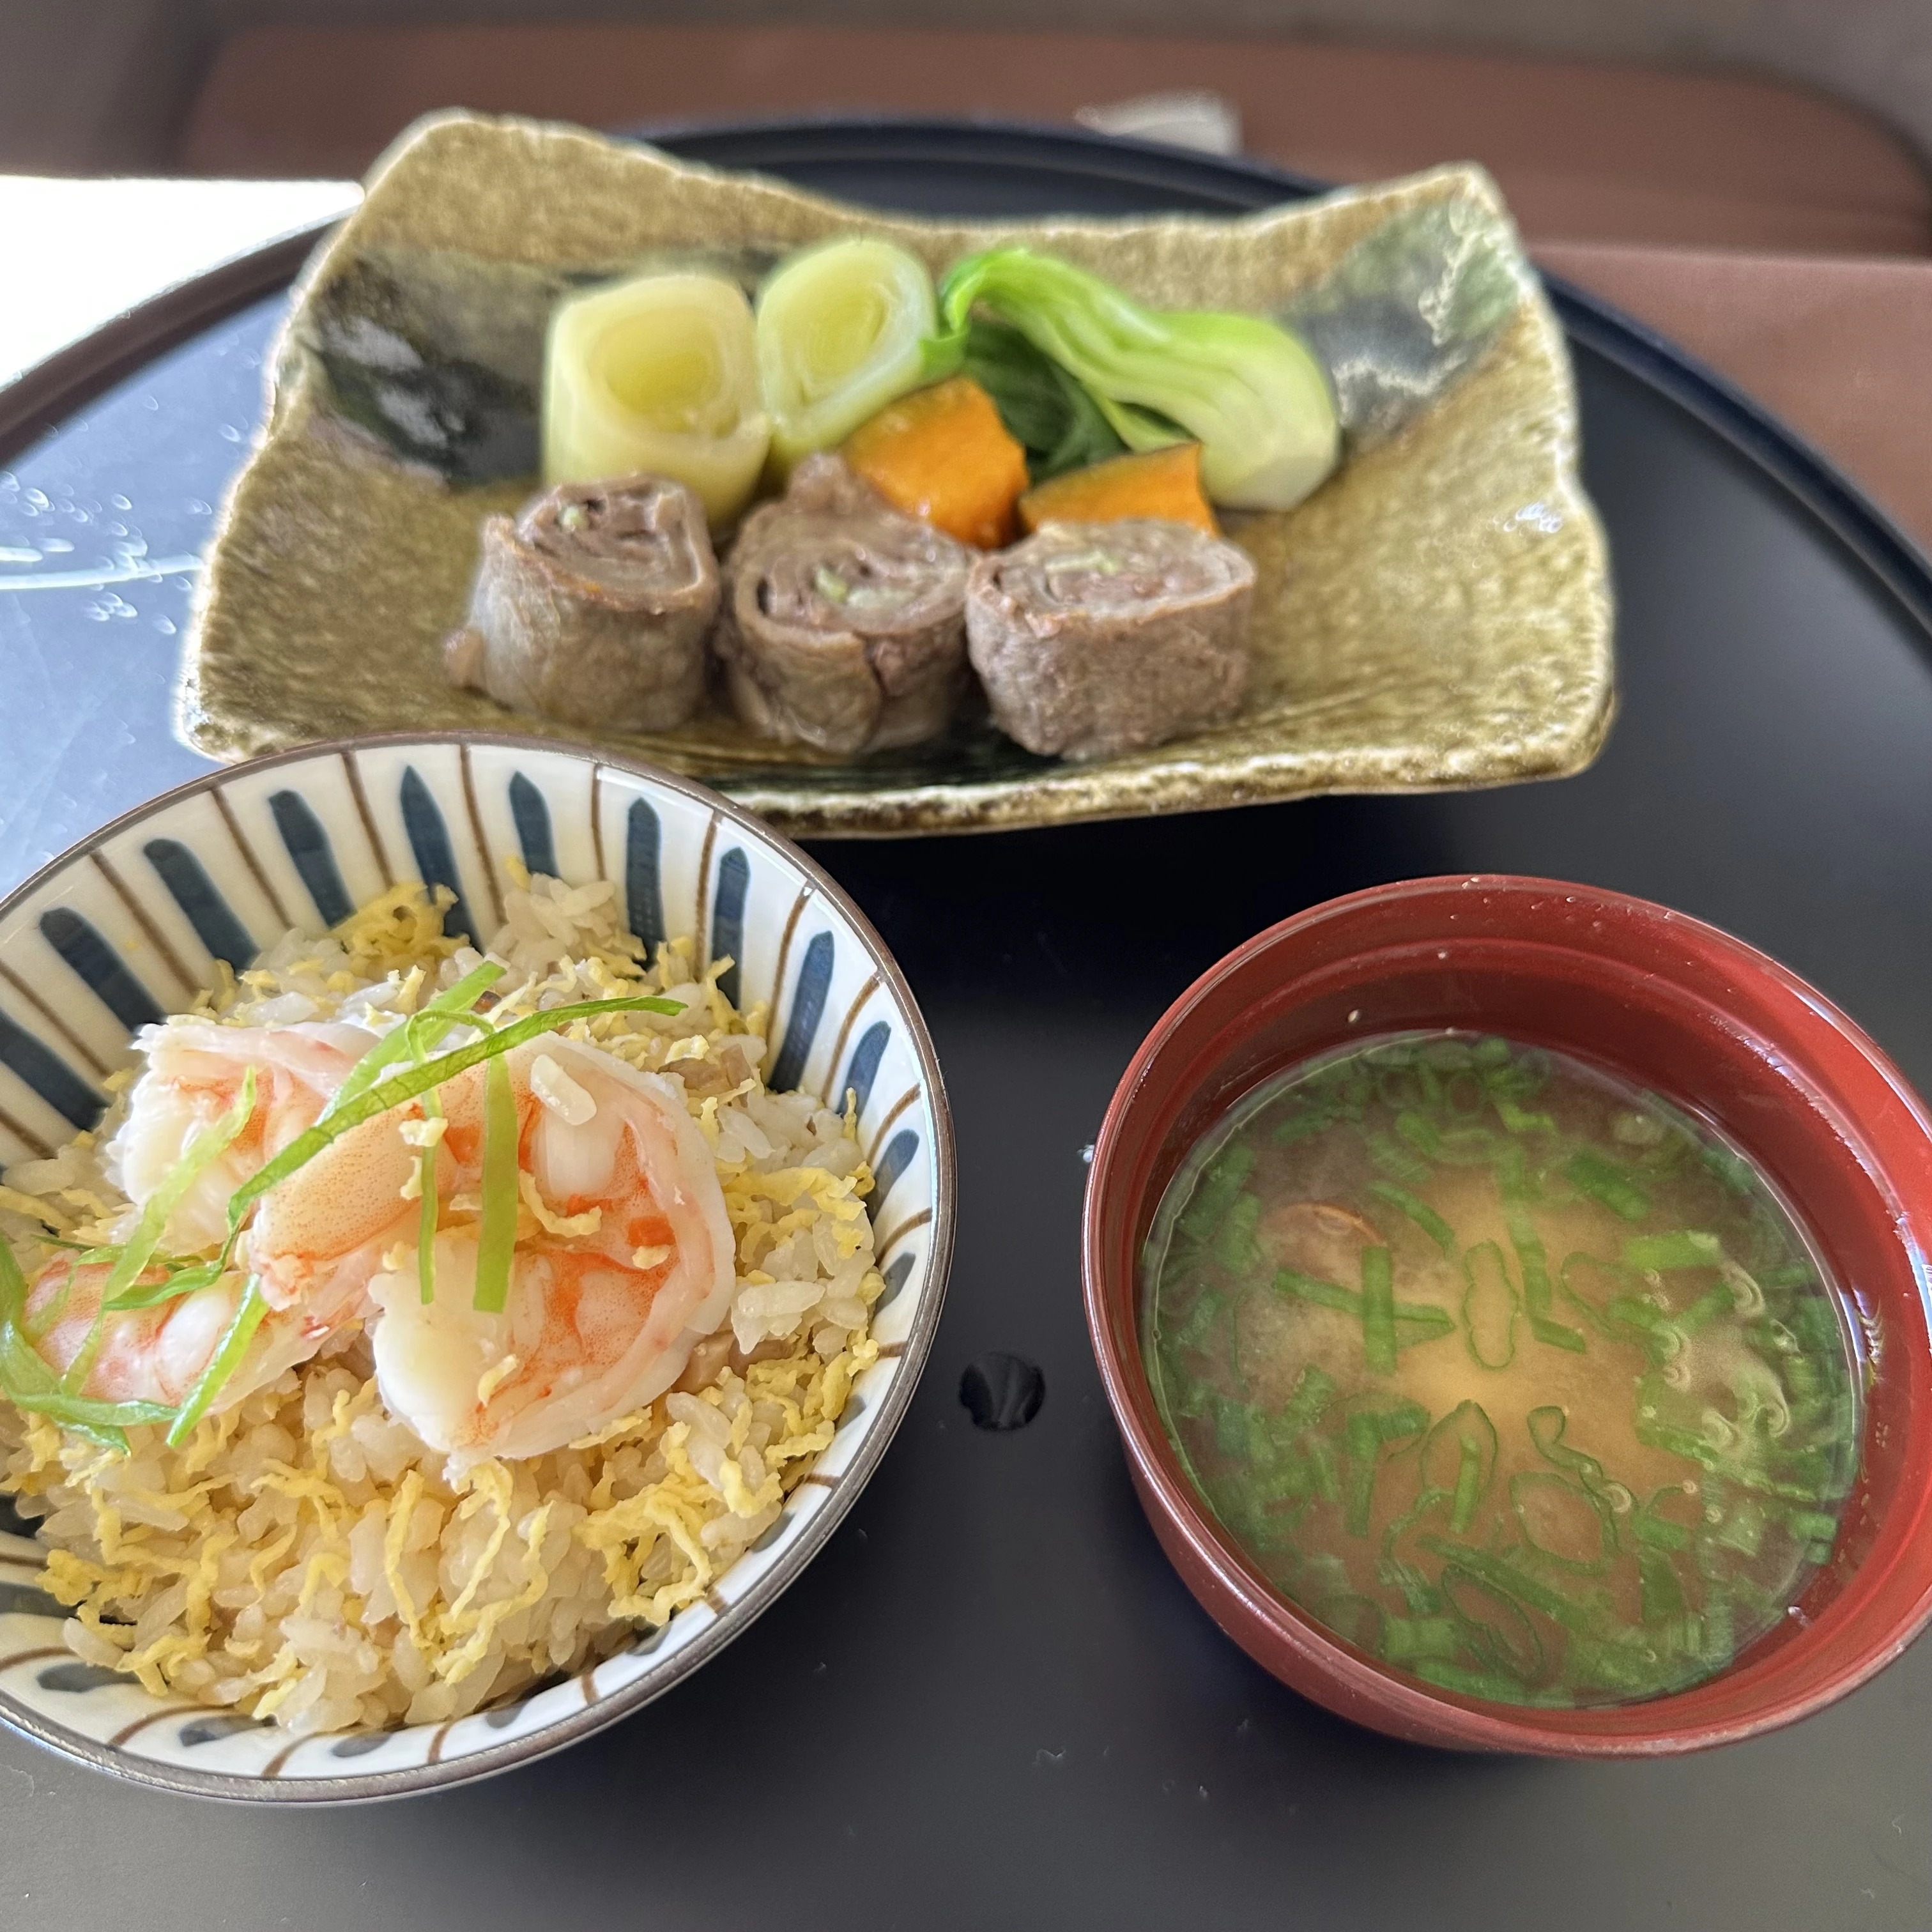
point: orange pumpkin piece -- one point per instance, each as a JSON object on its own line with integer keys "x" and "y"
{"x": 943, "y": 454}
{"x": 1164, "y": 483}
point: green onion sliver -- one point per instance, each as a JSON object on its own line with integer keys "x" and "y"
{"x": 1591, "y": 1175}
{"x": 181, "y": 1278}
{"x": 228, "y": 1352}
{"x": 1506, "y": 1580}
{"x": 13, "y": 1288}
{"x": 1378, "y": 1310}
{"x": 1490, "y": 1305}
{"x": 16, "y": 1369}
{"x": 1689, "y": 1248}
{"x": 417, "y": 1034}
{"x": 1214, "y": 1193}
{"x": 497, "y": 1238}
{"x": 1414, "y": 1320}
{"x": 417, "y": 1080}
{"x": 28, "y": 1383}
{"x": 1419, "y": 1211}
{"x": 1534, "y": 1261}
{"x": 1468, "y": 1428}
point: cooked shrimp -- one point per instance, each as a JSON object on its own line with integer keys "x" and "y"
{"x": 1317, "y": 1237}
{"x": 193, "y": 1076}
{"x": 313, "y": 1245}
{"x": 624, "y": 1259}
{"x": 318, "y": 1240}
{"x": 157, "y": 1354}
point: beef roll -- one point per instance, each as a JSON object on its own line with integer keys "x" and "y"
{"x": 1096, "y": 638}
{"x": 592, "y": 605}
{"x": 844, "y": 623}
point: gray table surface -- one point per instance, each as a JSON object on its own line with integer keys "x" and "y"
{"x": 989, "y": 1703}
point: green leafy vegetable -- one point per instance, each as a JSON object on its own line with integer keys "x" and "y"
{"x": 1060, "y": 425}
{"x": 1314, "y": 1389}
{"x": 1407, "y": 1641}
{"x": 1394, "y": 1160}
{"x": 1507, "y": 1580}
{"x": 1235, "y": 1247}
{"x": 1246, "y": 389}
{"x": 1367, "y": 1431}
{"x": 1661, "y": 1595}
{"x": 1200, "y": 1319}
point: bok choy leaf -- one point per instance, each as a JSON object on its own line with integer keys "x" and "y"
{"x": 1246, "y": 389}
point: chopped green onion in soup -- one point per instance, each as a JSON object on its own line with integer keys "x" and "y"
{"x": 1513, "y": 1375}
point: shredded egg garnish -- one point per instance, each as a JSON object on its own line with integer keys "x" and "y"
{"x": 491, "y": 1380}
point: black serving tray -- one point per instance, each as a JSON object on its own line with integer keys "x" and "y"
{"x": 990, "y": 1703}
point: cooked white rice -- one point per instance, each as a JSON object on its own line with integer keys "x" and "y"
{"x": 303, "y": 1557}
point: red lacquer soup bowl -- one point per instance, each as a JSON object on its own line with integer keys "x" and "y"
{"x": 1677, "y": 1006}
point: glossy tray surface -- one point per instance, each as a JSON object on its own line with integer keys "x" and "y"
{"x": 993, "y": 1702}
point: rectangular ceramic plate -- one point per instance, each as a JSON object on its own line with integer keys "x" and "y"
{"x": 1437, "y": 615}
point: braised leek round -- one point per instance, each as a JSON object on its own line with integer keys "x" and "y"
{"x": 658, "y": 375}
{"x": 841, "y": 331}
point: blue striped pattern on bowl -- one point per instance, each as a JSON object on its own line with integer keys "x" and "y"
{"x": 128, "y": 927}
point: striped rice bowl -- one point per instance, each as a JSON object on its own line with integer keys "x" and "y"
{"x": 302, "y": 1556}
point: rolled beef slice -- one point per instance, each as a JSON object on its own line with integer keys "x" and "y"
{"x": 1096, "y": 638}
{"x": 592, "y": 605}
{"x": 843, "y": 623}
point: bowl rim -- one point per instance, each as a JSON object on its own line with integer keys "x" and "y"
{"x": 1178, "y": 1516}
{"x": 740, "y": 1613}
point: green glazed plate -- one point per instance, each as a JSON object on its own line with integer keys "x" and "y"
{"x": 1437, "y": 616}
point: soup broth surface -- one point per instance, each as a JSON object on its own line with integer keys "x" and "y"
{"x": 1510, "y": 1373}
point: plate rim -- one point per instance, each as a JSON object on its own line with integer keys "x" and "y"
{"x": 367, "y": 1787}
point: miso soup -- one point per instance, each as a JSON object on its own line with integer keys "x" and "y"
{"x": 1511, "y": 1374}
